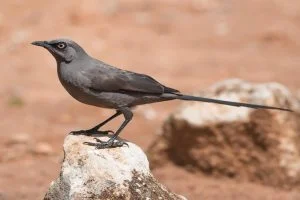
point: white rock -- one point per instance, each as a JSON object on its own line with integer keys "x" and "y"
{"x": 115, "y": 173}
{"x": 248, "y": 144}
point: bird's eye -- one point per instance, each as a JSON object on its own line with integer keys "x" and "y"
{"x": 61, "y": 45}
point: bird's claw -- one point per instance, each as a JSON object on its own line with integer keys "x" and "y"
{"x": 90, "y": 132}
{"x": 109, "y": 144}
{"x": 81, "y": 132}
{"x": 105, "y": 132}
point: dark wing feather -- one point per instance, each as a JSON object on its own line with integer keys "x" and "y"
{"x": 110, "y": 79}
{"x": 171, "y": 90}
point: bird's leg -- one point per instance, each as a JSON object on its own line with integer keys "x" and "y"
{"x": 95, "y": 129}
{"x": 112, "y": 142}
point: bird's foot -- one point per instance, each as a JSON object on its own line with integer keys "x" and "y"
{"x": 90, "y": 132}
{"x": 109, "y": 144}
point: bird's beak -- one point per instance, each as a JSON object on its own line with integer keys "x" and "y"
{"x": 40, "y": 43}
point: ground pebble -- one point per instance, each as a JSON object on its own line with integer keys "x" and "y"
{"x": 43, "y": 149}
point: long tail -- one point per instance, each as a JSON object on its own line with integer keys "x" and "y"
{"x": 230, "y": 103}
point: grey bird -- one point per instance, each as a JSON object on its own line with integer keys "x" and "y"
{"x": 96, "y": 83}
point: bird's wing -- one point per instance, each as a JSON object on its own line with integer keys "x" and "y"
{"x": 110, "y": 79}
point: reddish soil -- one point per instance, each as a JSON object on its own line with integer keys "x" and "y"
{"x": 187, "y": 45}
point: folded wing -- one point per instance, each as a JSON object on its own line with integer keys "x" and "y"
{"x": 110, "y": 79}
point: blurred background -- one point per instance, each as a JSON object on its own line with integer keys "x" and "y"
{"x": 188, "y": 45}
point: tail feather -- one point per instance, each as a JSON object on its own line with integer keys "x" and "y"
{"x": 229, "y": 103}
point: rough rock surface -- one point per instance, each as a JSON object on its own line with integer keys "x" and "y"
{"x": 117, "y": 173}
{"x": 254, "y": 145}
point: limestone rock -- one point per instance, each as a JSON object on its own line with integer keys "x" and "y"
{"x": 116, "y": 173}
{"x": 242, "y": 143}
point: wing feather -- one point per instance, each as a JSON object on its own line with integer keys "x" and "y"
{"x": 108, "y": 78}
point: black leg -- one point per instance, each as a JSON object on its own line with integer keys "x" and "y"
{"x": 95, "y": 129}
{"x": 111, "y": 142}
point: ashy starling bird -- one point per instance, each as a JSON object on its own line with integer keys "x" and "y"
{"x": 96, "y": 83}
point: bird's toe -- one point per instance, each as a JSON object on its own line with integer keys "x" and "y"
{"x": 77, "y": 132}
{"x": 109, "y": 144}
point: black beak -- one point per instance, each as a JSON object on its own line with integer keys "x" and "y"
{"x": 40, "y": 43}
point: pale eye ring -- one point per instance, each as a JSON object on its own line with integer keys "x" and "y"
{"x": 61, "y": 45}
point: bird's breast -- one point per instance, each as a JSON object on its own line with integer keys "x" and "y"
{"x": 72, "y": 83}
{"x": 77, "y": 86}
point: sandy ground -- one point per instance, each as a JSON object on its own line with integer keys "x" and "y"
{"x": 187, "y": 45}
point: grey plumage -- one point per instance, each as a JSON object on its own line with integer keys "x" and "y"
{"x": 96, "y": 83}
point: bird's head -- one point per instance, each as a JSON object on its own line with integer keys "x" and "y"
{"x": 64, "y": 50}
